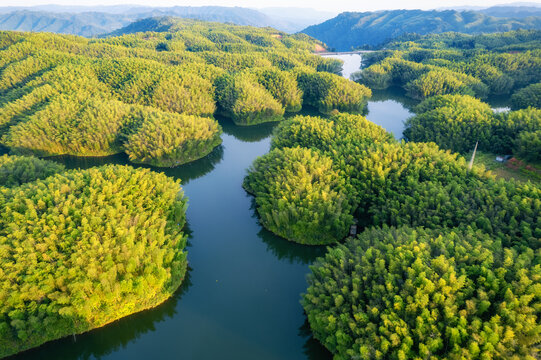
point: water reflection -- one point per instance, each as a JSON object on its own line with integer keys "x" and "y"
{"x": 287, "y": 250}
{"x": 352, "y": 63}
{"x": 186, "y": 172}
{"x": 390, "y": 109}
{"x": 251, "y": 133}
{"x": 313, "y": 348}
{"x": 499, "y": 101}
{"x": 396, "y": 94}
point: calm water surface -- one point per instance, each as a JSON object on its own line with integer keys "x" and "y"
{"x": 352, "y": 63}
{"x": 240, "y": 299}
{"x": 388, "y": 108}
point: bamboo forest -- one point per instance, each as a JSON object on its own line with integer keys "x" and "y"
{"x": 180, "y": 188}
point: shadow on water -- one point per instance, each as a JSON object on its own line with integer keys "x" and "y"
{"x": 287, "y": 250}
{"x": 499, "y": 103}
{"x": 186, "y": 172}
{"x": 390, "y": 109}
{"x": 252, "y": 133}
{"x": 284, "y": 249}
{"x": 394, "y": 93}
{"x": 110, "y": 338}
{"x": 312, "y": 348}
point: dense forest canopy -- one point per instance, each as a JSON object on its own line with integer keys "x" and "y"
{"x": 385, "y": 182}
{"x": 351, "y": 30}
{"x": 400, "y": 293}
{"x": 458, "y": 122}
{"x": 447, "y": 261}
{"x": 70, "y": 95}
{"x": 452, "y": 63}
{"x": 83, "y": 248}
{"x": 453, "y": 271}
{"x": 468, "y": 286}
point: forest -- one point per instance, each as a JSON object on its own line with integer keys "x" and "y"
{"x": 425, "y": 277}
{"x": 82, "y": 248}
{"x": 446, "y": 264}
{"x": 70, "y": 95}
{"x": 453, "y": 73}
{"x": 450, "y": 63}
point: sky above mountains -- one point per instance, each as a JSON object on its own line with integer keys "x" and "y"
{"x": 334, "y": 6}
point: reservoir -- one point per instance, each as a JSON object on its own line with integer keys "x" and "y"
{"x": 240, "y": 299}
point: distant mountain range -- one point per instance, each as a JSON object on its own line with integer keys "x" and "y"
{"x": 353, "y": 29}
{"x": 512, "y": 11}
{"x": 343, "y": 32}
{"x": 85, "y": 24}
{"x": 92, "y": 21}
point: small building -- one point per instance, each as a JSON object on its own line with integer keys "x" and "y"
{"x": 353, "y": 228}
{"x": 503, "y": 158}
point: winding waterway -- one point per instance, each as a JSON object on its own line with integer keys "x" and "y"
{"x": 388, "y": 108}
{"x": 240, "y": 299}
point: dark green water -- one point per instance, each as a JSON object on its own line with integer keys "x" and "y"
{"x": 241, "y": 296}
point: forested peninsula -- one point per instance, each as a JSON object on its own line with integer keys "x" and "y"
{"x": 82, "y": 248}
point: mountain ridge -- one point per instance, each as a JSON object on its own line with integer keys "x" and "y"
{"x": 351, "y": 30}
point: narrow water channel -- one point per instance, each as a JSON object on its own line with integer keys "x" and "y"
{"x": 388, "y": 108}
{"x": 240, "y": 299}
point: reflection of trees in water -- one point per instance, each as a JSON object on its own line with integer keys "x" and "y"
{"x": 3, "y": 150}
{"x": 186, "y": 172}
{"x": 250, "y": 133}
{"x": 287, "y": 250}
{"x": 253, "y": 133}
{"x": 499, "y": 101}
{"x": 110, "y": 338}
{"x": 195, "y": 169}
{"x": 312, "y": 348}
{"x": 394, "y": 93}
{"x": 85, "y": 162}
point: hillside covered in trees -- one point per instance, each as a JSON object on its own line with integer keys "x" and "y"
{"x": 82, "y": 248}
{"x": 153, "y": 95}
{"x": 453, "y": 63}
{"x": 351, "y": 30}
{"x": 447, "y": 263}
{"x": 452, "y": 72}
{"x": 447, "y": 260}
{"x": 437, "y": 290}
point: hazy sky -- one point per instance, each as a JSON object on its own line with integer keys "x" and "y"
{"x": 335, "y": 6}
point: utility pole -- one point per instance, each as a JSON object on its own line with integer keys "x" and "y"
{"x": 470, "y": 166}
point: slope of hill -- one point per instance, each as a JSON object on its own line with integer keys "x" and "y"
{"x": 351, "y": 29}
